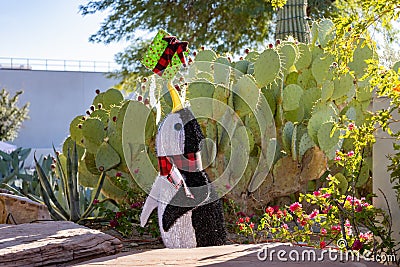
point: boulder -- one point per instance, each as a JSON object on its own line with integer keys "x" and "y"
{"x": 16, "y": 210}
{"x": 52, "y": 243}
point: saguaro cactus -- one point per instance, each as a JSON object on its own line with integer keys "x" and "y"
{"x": 292, "y": 21}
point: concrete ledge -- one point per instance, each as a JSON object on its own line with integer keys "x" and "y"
{"x": 229, "y": 255}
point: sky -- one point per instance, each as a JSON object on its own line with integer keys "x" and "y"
{"x": 51, "y": 29}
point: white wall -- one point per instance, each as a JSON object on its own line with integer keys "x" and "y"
{"x": 55, "y": 97}
{"x": 381, "y": 177}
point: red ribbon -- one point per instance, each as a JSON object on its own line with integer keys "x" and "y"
{"x": 190, "y": 162}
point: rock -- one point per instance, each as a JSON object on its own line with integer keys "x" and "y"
{"x": 16, "y": 210}
{"x": 52, "y": 243}
{"x": 314, "y": 163}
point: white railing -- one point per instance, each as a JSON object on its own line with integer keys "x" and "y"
{"x": 57, "y": 65}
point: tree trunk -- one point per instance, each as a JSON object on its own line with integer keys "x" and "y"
{"x": 292, "y": 21}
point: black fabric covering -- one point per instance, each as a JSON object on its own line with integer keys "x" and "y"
{"x": 207, "y": 219}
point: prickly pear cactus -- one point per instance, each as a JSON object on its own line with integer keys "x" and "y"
{"x": 99, "y": 136}
{"x": 269, "y": 118}
{"x": 300, "y": 88}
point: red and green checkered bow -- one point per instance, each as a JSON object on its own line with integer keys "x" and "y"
{"x": 165, "y": 55}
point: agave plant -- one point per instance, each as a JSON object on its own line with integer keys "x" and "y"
{"x": 12, "y": 172}
{"x": 69, "y": 202}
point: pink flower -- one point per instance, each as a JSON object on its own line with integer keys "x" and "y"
{"x": 119, "y": 174}
{"x": 322, "y": 244}
{"x": 350, "y": 153}
{"x": 269, "y": 210}
{"x": 365, "y": 236}
{"x": 247, "y": 219}
{"x": 136, "y": 205}
{"x": 118, "y": 214}
{"x": 251, "y": 225}
{"x": 314, "y": 214}
{"x": 326, "y": 195}
{"x": 228, "y": 186}
{"x": 241, "y": 220}
{"x": 295, "y": 207}
{"x": 327, "y": 209}
{"x": 335, "y": 228}
{"x": 302, "y": 221}
{"x": 347, "y": 223}
{"x": 357, "y": 245}
{"x": 241, "y": 214}
{"x": 323, "y": 231}
{"x": 276, "y": 208}
{"x": 351, "y": 126}
{"x": 136, "y": 171}
{"x": 359, "y": 208}
{"x": 95, "y": 201}
{"x": 114, "y": 223}
{"x": 280, "y": 214}
{"x": 285, "y": 226}
{"x": 317, "y": 193}
{"x": 338, "y": 158}
{"x": 241, "y": 228}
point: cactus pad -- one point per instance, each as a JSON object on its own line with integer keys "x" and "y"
{"x": 343, "y": 85}
{"x": 321, "y": 113}
{"x": 396, "y": 66}
{"x": 365, "y": 175}
{"x": 200, "y": 88}
{"x": 242, "y": 66}
{"x": 270, "y": 97}
{"x": 329, "y": 142}
{"x": 343, "y": 183}
{"x": 321, "y": 68}
{"x": 138, "y": 125}
{"x": 75, "y": 129}
{"x": 252, "y": 56}
{"x": 291, "y": 97}
{"x": 326, "y": 32}
{"x": 362, "y": 53}
{"x": 287, "y": 134}
{"x": 291, "y": 78}
{"x": 289, "y": 54}
{"x": 112, "y": 97}
{"x": 206, "y": 55}
{"x": 306, "y": 79}
{"x": 106, "y": 157}
{"x": 222, "y": 71}
{"x": 327, "y": 90}
{"x": 220, "y": 102}
{"x": 305, "y": 57}
{"x": 314, "y": 33}
{"x": 100, "y": 114}
{"x": 296, "y": 115}
{"x": 93, "y": 134}
{"x": 308, "y": 99}
{"x": 267, "y": 67}
{"x": 246, "y": 95}
{"x": 305, "y": 144}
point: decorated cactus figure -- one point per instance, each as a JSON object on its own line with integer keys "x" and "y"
{"x": 189, "y": 212}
